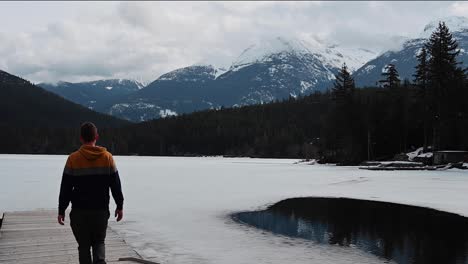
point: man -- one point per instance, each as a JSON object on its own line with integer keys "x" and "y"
{"x": 88, "y": 175}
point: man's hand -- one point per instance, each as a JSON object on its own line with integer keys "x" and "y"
{"x": 61, "y": 219}
{"x": 119, "y": 214}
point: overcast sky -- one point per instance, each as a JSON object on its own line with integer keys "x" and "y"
{"x": 77, "y": 41}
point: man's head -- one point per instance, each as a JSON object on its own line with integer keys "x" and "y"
{"x": 88, "y": 133}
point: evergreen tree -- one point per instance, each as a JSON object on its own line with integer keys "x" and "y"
{"x": 343, "y": 118}
{"x": 445, "y": 81}
{"x": 443, "y": 50}
{"x": 391, "y": 77}
{"x": 421, "y": 75}
{"x": 421, "y": 80}
{"x": 394, "y": 104}
{"x": 343, "y": 86}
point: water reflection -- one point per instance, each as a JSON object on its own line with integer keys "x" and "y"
{"x": 401, "y": 233}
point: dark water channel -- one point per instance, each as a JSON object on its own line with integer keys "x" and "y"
{"x": 400, "y": 233}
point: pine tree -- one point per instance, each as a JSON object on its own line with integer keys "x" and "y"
{"x": 444, "y": 77}
{"x": 421, "y": 75}
{"x": 391, "y": 77}
{"x": 342, "y": 117}
{"x": 421, "y": 81}
{"x": 443, "y": 50}
{"x": 343, "y": 87}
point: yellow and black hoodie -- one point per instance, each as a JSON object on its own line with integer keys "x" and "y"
{"x": 88, "y": 175}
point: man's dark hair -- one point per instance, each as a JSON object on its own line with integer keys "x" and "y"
{"x": 88, "y": 132}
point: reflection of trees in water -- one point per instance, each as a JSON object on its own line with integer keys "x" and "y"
{"x": 404, "y": 234}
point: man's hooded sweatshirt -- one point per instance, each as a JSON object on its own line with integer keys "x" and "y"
{"x": 88, "y": 175}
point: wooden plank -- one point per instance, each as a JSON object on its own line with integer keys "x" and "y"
{"x": 34, "y": 237}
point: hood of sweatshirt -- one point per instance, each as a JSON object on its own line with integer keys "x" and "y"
{"x": 92, "y": 152}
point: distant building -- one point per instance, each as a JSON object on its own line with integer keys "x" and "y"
{"x": 449, "y": 156}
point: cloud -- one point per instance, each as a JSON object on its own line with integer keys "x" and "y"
{"x": 459, "y": 8}
{"x": 83, "y": 41}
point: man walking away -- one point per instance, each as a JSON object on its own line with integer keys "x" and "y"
{"x": 88, "y": 175}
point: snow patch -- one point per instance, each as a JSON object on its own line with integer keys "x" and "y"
{"x": 414, "y": 154}
{"x": 426, "y": 155}
{"x": 305, "y": 86}
{"x": 418, "y": 153}
{"x": 167, "y": 112}
{"x": 219, "y": 72}
{"x": 369, "y": 68}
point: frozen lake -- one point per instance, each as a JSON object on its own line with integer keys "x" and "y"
{"x": 177, "y": 209}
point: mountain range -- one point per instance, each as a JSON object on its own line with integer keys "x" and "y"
{"x": 269, "y": 70}
{"x": 93, "y": 94}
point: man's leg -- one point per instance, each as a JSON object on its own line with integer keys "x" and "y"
{"x": 98, "y": 236}
{"x": 81, "y": 231}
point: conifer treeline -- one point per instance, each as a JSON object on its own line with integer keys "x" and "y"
{"x": 345, "y": 125}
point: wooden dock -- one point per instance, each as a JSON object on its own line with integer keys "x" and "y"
{"x": 36, "y": 237}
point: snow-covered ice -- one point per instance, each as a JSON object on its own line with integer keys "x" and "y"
{"x": 176, "y": 209}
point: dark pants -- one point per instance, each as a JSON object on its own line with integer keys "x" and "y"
{"x": 89, "y": 228}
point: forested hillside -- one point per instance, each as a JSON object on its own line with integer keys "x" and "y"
{"x": 37, "y": 121}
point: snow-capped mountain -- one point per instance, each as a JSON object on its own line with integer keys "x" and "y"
{"x": 94, "y": 94}
{"x": 279, "y": 68}
{"x": 265, "y": 71}
{"x": 179, "y": 91}
{"x": 405, "y": 58}
{"x": 332, "y": 55}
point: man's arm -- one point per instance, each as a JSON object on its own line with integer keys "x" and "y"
{"x": 116, "y": 189}
{"x": 66, "y": 188}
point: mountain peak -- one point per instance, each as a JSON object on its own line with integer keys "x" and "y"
{"x": 190, "y": 73}
{"x": 454, "y": 23}
{"x": 333, "y": 55}
{"x": 266, "y": 47}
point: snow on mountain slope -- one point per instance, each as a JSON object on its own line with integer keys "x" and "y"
{"x": 353, "y": 57}
{"x": 189, "y": 74}
{"x": 179, "y": 91}
{"x": 278, "y": 68}
{"x": 263, "y": 49}
{"x": 332, "y": 55}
